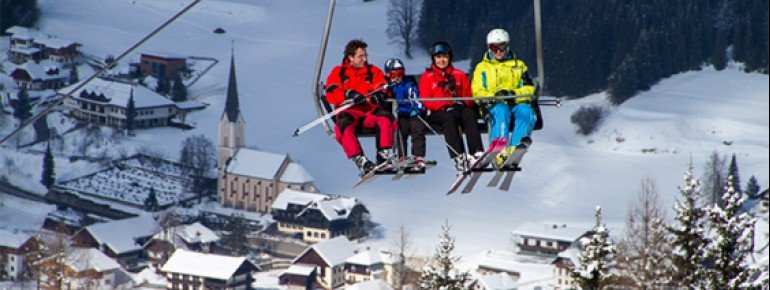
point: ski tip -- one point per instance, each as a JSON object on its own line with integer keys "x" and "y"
{"x": 296, "y": 133}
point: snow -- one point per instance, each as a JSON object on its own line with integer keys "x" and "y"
{"x": 38, "y": 71}
{"x": 530, "y": 271}
{"x": 299, "y": 269}
{"x": 684, "y": 118}
{"x": 334, "y": 251}
{"x": 556, "y": 231}
{"x": 375, "y": 284}
{"x": 81, "y": 260}
{"x": 255, "y": 163}
{"x": 295, "y": 173}
{"x": 119, "y": 93}
{"x": 203, "y": 265}
{"x": 20, "y": 219}
{"x": 192, "y": 233}
{"x": 497, "y": 281}
{"x": 366, "y": 258}
{"x": 332, "y": 207}
{"x": 121, "y": 235}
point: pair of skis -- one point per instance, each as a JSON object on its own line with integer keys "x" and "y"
{"x": 398, "y": 168}
{"x": 508, "y": 168}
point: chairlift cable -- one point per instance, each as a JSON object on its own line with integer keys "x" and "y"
{"x": 107, "y": 67}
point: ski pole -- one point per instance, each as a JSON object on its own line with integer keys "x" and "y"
{"x": 436, "y": 133}
{"x": 345, "y": 106}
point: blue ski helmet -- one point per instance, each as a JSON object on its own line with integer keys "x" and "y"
{"x": 441, "y": 47}
{"x": 392, "y": 64}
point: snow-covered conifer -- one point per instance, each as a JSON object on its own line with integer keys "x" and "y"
{"x": 441, "y": 274}
{"x": 732, "y": 245}
{"x": 688, "y": 230}
{"x": 596, "y": 257}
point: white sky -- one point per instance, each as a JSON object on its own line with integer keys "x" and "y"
{"x": 685, "y": 117}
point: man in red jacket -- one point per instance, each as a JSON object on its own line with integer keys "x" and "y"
{"x": 442, "y": 80}
{"x": 357, "y": 81}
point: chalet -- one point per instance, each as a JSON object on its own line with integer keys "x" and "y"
{"x": 298, "y": 277}
{"x": 498, "y": 281}
{"x": 121, "y": 240}
{"x": 369, "y": 265}
{"x": 191, "y": 270}
{"x": 106, "y": 103}
{"x": 37, "y": 76}
{"x": 29, "y": 45}
{"x": 493, "y": 262}
{"x": 563, "y": 264}
{"x": 162, "y": 65}
{"x": 317, "y": 217}
{"x": 194, "y": 237}
{"x": 14, "y": 245}
{"x": 91, "y": 269}
{"x": 546, "y": 239}
{"x": 328, "y": 258}
{"x": 250, "y": 179}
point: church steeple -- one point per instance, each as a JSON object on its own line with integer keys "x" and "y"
{"x": 232, "y": 107}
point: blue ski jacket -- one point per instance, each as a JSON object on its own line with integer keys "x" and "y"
{"x": 407, "y": 90}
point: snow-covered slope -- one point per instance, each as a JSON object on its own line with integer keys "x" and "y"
{"x": 685, "y": 117}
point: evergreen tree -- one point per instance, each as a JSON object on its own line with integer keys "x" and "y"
{"x": 24, "y": 106}
{"x": 74, "y": 75}
{"x": 235, "y": 238}
{"x": 22, "y": 13}
{"x": 644, "y": 254}
{"x": 130, "y": 114}
{"x": 151, "y": 202}
{"x": 179, "y": 91}
{"x": 688, "y": 231}
{"x": 596, "y": 257}
{"x": 733, "y": 171}
{"x": 48, "y": 177}
{"x": 441, "y": 273}
{"x": 752, "y": 187}
{"x": 162, "y": 86}
{"x": 731, "y": 249}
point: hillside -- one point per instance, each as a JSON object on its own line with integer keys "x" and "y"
{"x": 564, "y": 177}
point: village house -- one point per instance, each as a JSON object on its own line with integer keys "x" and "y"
{"x": 490, "y": 263}
{"x": 162, "y": 65}
{"x": 106, "y": 103}
{"x": 14, "y": 245}
{"x": 194, "y": 237}
{"x": 546, "y": 239}
{"x": 121, "y": 240}
{"x": 38, "y": 76}
{"x": 29, "y": 45}
{"x": 563, "y": 264}
{"x": 191, "y": 270}
{"x": 328, "y": 258}
{"x": 496, "y": 281}
{"x": 298, "y": 277}
{"x": 317, "y": 217}
{"x": 250, "y": 179}
{"x": 87, "y": 268}
{"x": 370, "y": 265}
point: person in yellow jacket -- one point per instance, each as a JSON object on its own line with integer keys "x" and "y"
{"x": 500, "y": 73}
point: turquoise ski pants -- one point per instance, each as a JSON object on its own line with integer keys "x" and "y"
{"x": 500, "y": 121}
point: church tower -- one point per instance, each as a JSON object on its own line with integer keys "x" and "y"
{"x": 231, "y": 124}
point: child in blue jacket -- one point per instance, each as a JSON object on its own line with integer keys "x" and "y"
{"x": 404, "y": 89}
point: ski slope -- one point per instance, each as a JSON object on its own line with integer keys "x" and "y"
{"x": 684, "y": 118}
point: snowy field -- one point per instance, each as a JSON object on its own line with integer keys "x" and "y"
{"x": 684, "y": 118}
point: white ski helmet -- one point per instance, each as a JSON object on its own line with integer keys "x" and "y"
{"x": 497, "y": 36}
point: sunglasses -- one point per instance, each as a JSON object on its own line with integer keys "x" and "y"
{"x": 396, "y": 73}
{"x": 498, "y": 47}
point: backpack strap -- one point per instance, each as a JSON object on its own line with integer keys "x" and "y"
{"x": 369, "y": 74}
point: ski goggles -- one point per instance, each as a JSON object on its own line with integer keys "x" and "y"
{"x": 396, "y": 73}
{"x": 498, "y": 47}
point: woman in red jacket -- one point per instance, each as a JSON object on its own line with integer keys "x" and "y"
{"x": 363, "y": 84}
{"x": 442, "y": 80}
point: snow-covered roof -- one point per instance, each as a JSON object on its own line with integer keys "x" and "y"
{"x": 375, "y": 284}
{"x": 295, "y": 173}
{"x": 366, "y": 258}
{"x": 193, "y": 233}
{"x": 300, "y": 270}
{"x": 85, "y": 259}
{"x": 570, "y": 254}
{"x": 560, "y": 232}
{"x": 332, "y": 207}
{"x": 121, "y": 235}
{"x": 40, "y": 70}
{"x": 503, "y": 261}
{"x": 13, "y": 238}
{"x": 118, "y": 94}
{"x": 497, "y": 281}
{"x": 203, "y": 265}
{"x": 163, "y": 54}
{"x": 334, "y": 251}
{"x": 25, "y": 50}
{"x": 191, "y": 105}
{"x": 255, "y": 163}
{"x": 20, "y": 31}
{"x": 53, "y": 42}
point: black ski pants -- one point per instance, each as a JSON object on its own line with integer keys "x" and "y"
{"x": 412, "y": 127}
{"x": 452, "y": 121}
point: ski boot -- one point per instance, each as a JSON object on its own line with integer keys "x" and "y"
{"x": 461, "y": 164}
{"x": 384, "y": 155}
{"x": 503, "y": 155}
{"x": 363, "y": 164}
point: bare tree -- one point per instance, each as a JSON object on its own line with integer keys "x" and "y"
{"x": 714, "y": 179}
{"x": 46, "y": 260}
{"x": 168, "y": 222}
{"x": 402, "y": 23}
{"x": 644, "y": 252}
{"x": 199, "y": 154}
{"x": 403, "y": 245}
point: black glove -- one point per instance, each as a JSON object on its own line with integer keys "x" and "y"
{"x": 354, "y": 96}
{"x": 379, "y": 98}
{"x": 501, "y": 93}
{"x": 458, "y": 105}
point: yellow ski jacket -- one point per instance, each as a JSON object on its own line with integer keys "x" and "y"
{"x": 492, "y": 76}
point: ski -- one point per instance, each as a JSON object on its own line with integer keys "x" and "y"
{"x": 380, "y": 167}
{"x": 401, "y": 167}
{"x": 494, "y": 147}
{"x": 512, "y": 161}
{"x": 507, "y": 164}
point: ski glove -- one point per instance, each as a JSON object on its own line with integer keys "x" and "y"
{"x": 456, "y": 105}
{"x": 354, "y": 96}
{"x": 501, "y": 93}
{"x": 379, "y": 98}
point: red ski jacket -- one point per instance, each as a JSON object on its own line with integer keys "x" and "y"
{"x": 434, "y": 84}
{"x": 345, "y": 77}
